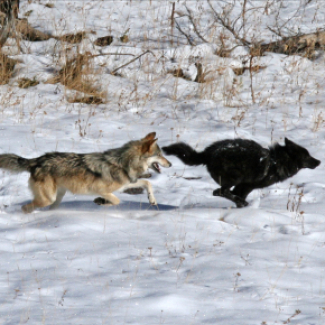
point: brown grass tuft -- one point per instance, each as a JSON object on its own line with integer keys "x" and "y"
{"x": 74, "y": 76}
{"x": 27, "y": 32}
{"x": 86, "y": 99}
{"x": 26, "y": 82}
{"x": 73, "y": 38}
{"x": 240, "y": 71}
{"x": 7, "y": 67}
{"x": 104, "y": 41}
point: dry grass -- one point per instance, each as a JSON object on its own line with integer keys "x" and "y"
{"x": 73, "y": 38}
{"x": 178, "y": 73}
{"x": 240, "y": 71}
{"x": 7, "y": 67}
{"x": 28, "y": 13}
{"x": 104, "y": 41}
{"x": 85, "y": 99}
{"x": 26, "y": 82}
{"x": 74, "y": 76}
{"x": 27, "y": 32}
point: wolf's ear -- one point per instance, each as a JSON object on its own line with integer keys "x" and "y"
{"x": 149, "y": 136}
{"x": 148, "y": 145}
{"x": 288, "y": 142}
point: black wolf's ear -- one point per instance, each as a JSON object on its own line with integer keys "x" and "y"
{"x": 288, "y": 142}
{"x": 149, "y": 136}
{"x": 148, "y": 145}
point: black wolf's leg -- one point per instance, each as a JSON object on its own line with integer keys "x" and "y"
{"x": 226, "y": 193}
{"x": 242, "y": 190}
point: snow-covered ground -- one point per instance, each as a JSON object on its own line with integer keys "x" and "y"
{"x": 194, "y": 259}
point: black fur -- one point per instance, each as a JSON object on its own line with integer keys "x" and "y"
{"x": 245, "y": 165}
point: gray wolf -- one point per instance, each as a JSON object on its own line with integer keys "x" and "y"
{"x": 245, "y": 165}
{"x": 102, "y": 173}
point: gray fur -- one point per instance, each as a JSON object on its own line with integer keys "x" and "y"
{"x": 14, "y": 163}
{"x": 94, "y": 173}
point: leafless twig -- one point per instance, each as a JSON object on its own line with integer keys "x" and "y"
{"x": 230, "y": 27}
{"x": 103, "y": 54}
{"x": 190, "y": 17}
{"x": 183, "y": 33}
{"x": 124, "y": 65}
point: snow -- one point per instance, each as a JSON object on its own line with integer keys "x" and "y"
{"x": 195, "y": 258}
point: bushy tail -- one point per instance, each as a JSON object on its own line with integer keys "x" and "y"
{"x": 185, "y": 153}
{"x": 14, "y": 163}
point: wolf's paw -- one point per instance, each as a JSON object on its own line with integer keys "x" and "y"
{"x": 241, "y": 204}
{"x": 102, "y": 201}
{"x": 152, "y": 201}
{"x": 27, "y": 208}
{"x": 217, "y": 192}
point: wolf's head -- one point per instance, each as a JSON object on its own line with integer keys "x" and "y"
{"x": 152, "y": 154}
{"x": 301, "y": 155}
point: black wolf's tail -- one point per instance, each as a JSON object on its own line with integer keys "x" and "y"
{"x": 185, "y": 153}
{"x": 14, "y": 163}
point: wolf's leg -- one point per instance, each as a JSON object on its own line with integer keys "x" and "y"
{"x": 147, "y": 186}
{"x": 242, "y": 190}
{"x": 59, "y": 196}
{"x": 44, "y": 194}
{"x": 225, "y": 192}
{"x": 107, "y": 199}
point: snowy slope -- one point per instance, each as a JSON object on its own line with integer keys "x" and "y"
{"x": 194, "y": 259}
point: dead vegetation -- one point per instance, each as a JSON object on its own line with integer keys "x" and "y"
{"x": 104, "y": 41}
{"x": 7, "y": 67}
{"x": 303, "y": 45}
{"x": 26, "y": 82}
{"x": 72, "y": 38}
{"x": 85, "y": 99}
{"x": 254, "y": 69}
{"x": 29, "y": 33}
{"x": 73, "y": 75}
{"x": 233, "y": 34}
{"x": 200, "y": 76}
{"x": 178, "y": 73}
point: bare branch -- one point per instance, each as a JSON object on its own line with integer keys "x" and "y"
{"x": 278, "y": 32}
{"x": 194, "y": 26}
{"x": 103, "y": 54}
{"x": 124, "y": 65}
{"x": 227, "y": 25}
{"x": 183, "y": 33}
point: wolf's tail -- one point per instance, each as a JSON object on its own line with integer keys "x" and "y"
{"x": 14, "y": 163}
{"x": 185, "y": 153}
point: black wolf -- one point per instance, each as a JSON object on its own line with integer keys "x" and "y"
{"x": 245, "y": 165}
